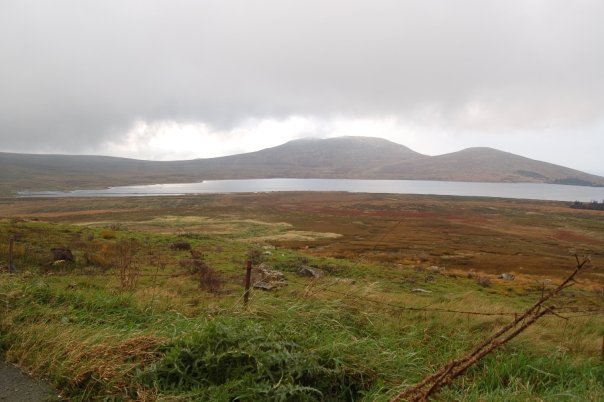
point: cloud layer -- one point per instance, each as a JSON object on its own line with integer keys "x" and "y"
{"x": 77, "y": 75}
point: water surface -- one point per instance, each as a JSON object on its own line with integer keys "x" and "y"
{"x": 536, "y": 191}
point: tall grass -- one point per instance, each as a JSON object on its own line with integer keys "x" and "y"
{"x": 167, "y": 339}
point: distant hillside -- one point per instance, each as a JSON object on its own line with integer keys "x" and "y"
{"x": 343, "y": 157}
{"x": 490, "y": 165}
{"x": 59, "y": 172}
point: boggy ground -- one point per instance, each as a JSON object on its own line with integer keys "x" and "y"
{"x": 130, "y": 320}
{"x": 530, "y": 238}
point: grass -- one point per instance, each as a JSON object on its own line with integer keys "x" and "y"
{"x": 284, "y": 348}
{"x": 340, "y": 337}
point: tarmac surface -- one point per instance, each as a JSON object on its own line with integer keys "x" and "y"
{"x": 16, "y": 386}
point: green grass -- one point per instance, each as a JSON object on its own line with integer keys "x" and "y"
{"x": 310, "y": 341}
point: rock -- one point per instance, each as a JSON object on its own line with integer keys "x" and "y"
{"x": 268, "y": 285}
{"x": 305, "y": 270}
{"x": 420, "y": 290}
{"x": 61, "y": 253}
{"x": 269, "y": 278}
{"x": 506, "y": 277}
{"x": 435, "y": 268}
{"x": 345, "y": 281}
{"x": 268, "y": 273}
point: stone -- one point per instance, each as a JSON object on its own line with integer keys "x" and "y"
{"x": 506, "y": 277}
{"x": 269, "y": 278}
{"x": 305, "y": 270}
{"x": 436, "y": 268}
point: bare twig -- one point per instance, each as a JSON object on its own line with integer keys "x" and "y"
{"x": 445, "y": 376}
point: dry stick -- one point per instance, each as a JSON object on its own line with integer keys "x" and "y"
{"x": 443, "y": 372}
{"x": 248, "y": 277}
{"x": 437, "y": 377}
{"x": 456, "y": 367}
{"x": 11, "y": 242}
{"x": 466, "y": 363}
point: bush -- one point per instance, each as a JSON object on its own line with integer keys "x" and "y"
{"x": 209, "y": 279}
{"x": 243, "y": 361}
{"x": 483, "y": 281}
{"x": 255, "y": 255}
{"x": 108, "y": 234}
{"x": 181, "y": 245}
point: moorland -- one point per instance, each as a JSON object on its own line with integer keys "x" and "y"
{"x": 151, "y": 305}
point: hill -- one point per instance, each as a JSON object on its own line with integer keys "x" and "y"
{"x": 490, "y": 165}
{"x": 342, "y": 157}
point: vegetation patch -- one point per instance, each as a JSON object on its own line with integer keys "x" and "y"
{"x": 243, "y": 360}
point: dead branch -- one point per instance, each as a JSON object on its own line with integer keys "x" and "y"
{"x": 445, "y": 376}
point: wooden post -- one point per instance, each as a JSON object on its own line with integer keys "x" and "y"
{"x": 248, "y": 278}
{"x": 11, "y": 243}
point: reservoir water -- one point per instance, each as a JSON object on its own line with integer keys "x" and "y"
{"x": 536, "y": 191}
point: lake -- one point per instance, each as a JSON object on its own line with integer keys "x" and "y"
{"x": 536, "y": 191}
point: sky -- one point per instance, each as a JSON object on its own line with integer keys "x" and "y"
{"x": 181, "y": 79}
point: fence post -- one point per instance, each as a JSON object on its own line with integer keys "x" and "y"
{"x": 11, "y": 243}
{"x": 248, "y": 278}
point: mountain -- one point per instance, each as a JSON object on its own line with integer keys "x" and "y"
{"x": 490, "y": 165}
{"x": 342, "y": 157}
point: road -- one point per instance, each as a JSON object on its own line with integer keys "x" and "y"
{"x": 15, "y": 386}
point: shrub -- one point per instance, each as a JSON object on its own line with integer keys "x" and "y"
{"x": 181, "y": 245}
{"x": 483, "y": 281}
{"x": 255, "y": 255}
{"x": 108, "y": 234}
{"x": 244, "y": 361}
{"x": 209, "y": 279}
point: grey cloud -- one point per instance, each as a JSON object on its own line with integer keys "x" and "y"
{"x": 79, "y": 72}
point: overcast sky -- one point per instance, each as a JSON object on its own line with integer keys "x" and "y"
{"x": 179, "y": 79}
